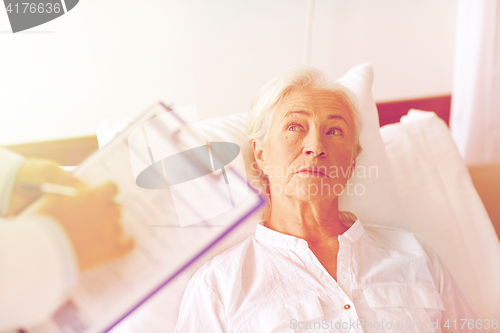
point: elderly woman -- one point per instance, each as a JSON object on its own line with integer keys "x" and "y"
{"x": 310, "y": 267}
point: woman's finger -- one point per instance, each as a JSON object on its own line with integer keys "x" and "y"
{"x": 125, "y": 246}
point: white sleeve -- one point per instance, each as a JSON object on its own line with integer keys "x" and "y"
{"x": 201, "y": 309}
{"x": 37, "y": 268}
{"x": 9, "y": 165}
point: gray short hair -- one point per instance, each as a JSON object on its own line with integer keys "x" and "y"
{"x": 275, "y": 91}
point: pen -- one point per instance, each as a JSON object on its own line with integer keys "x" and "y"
{"x": 51, "y": 188}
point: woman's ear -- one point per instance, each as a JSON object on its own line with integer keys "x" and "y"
{"x": 352, "y": 166}
{"x": 258, "y": 154}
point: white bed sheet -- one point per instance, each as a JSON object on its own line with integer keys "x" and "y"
{"x": 443, "y": 206}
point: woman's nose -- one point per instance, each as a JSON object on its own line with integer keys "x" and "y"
{"x": 313, "y": 145}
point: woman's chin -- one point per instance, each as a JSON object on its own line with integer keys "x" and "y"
{"x": 309, "y": 188}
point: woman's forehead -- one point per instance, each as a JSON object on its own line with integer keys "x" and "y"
{"x": 314, "y": 102}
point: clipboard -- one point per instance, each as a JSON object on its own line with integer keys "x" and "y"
{"x": 164, "y": 249}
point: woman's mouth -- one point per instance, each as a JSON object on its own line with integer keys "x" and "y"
{"x": 311, "y": 172}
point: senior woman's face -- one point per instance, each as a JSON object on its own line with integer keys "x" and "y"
{"x": 310, "y": 147}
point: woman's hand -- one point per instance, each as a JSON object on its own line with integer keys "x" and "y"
{"x": 37, "y": 171}
{"x": 92, "y": 221}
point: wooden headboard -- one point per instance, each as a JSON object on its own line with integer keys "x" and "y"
{"x": 391, "y": 112}
{"x": 69, "y": 151}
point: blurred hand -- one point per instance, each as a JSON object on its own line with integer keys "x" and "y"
{"x": 37, "y": 171}
{"x": 92, "y": 221}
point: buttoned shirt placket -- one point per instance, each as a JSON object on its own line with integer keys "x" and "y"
{"x": 339, "y": 291}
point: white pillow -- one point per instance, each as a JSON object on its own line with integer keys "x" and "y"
{"x": 381, "y": 202}
{"x": 443, "y": 206}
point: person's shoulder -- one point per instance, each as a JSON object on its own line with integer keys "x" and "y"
{"x": 226, "y": 263}
{"x": 394, "y": 238}
{"x": 410, "y": 248}
{"x": 383, "y": 231}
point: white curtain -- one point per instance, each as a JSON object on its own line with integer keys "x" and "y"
{"x": 475, "y": 111}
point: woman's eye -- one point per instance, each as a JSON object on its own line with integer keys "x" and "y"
{"x": 294, "y": 128}
{"x": 335, "y": 131}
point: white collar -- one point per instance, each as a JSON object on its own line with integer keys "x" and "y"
{"x": 277, "y": 239}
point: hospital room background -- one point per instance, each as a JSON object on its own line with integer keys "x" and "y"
{"x": 114, "y": 59}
